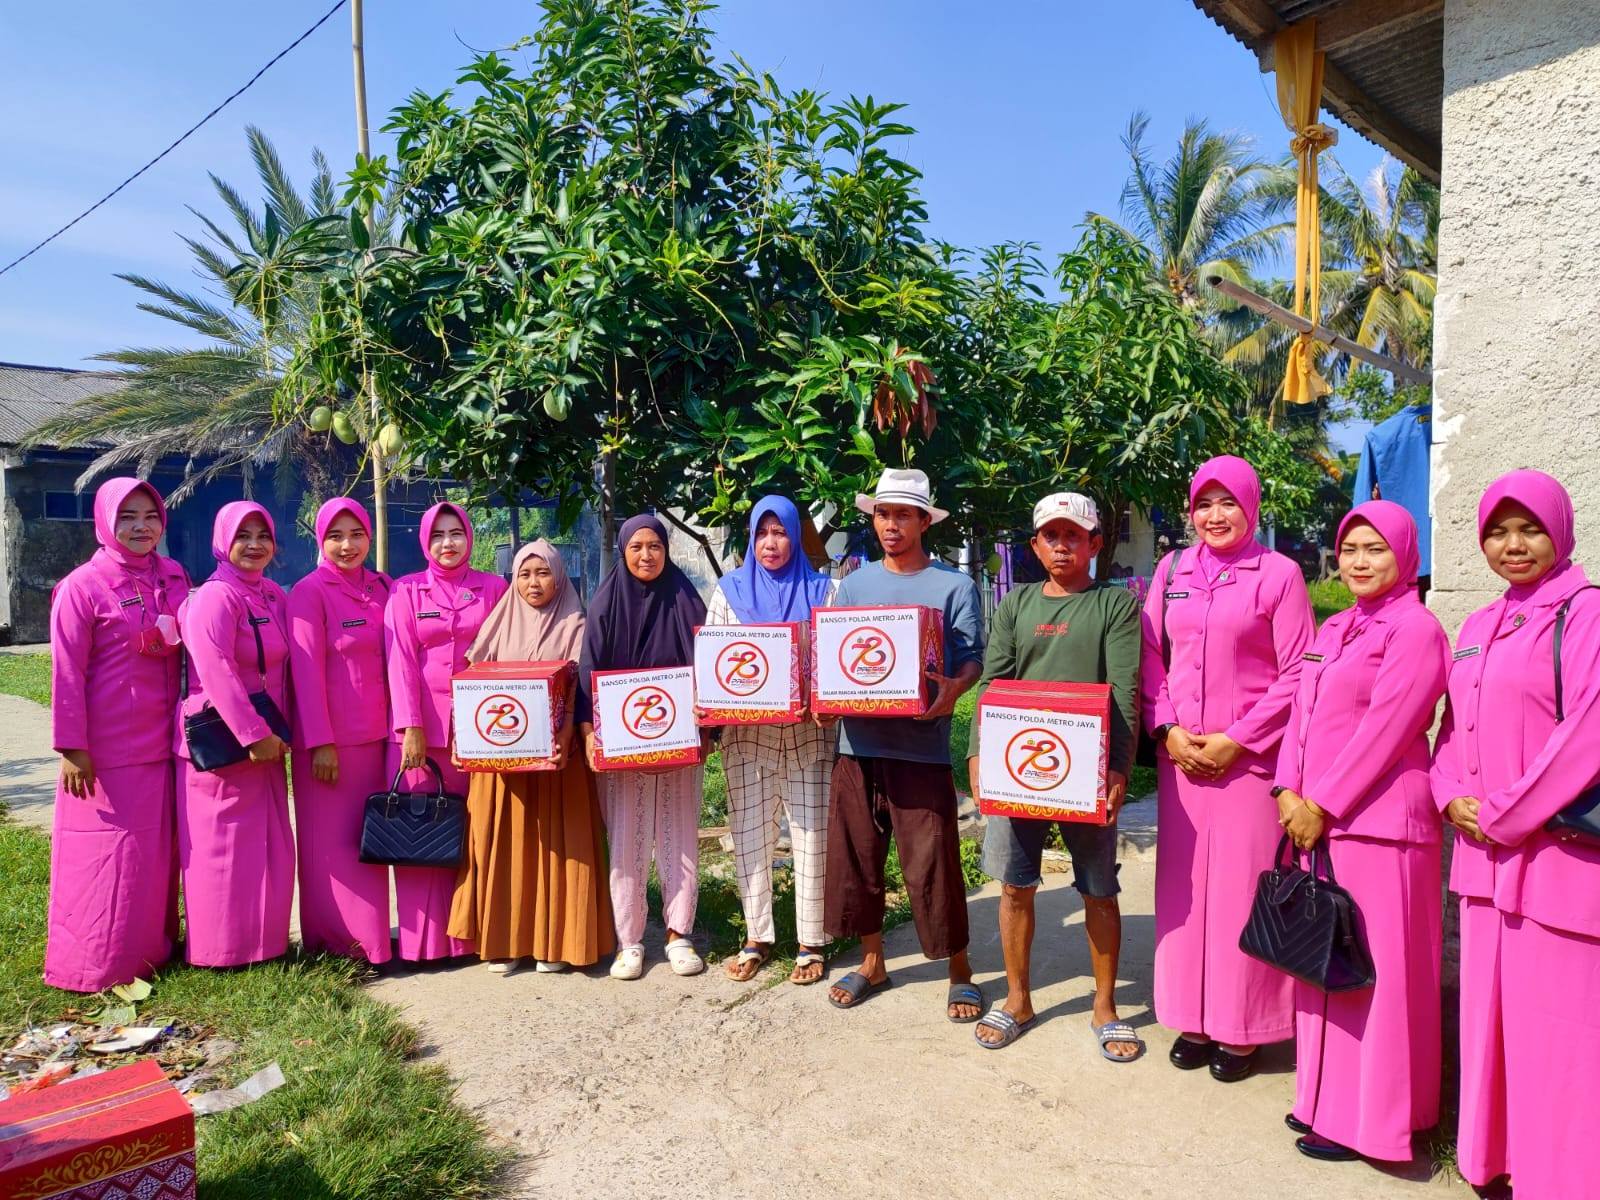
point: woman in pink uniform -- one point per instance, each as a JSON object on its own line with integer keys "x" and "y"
{"x": 113, "y": 641}
{"x": 1237, "y": 618}
{"x": 1530, "y": 902}
{"x": 235, "y": 846}
{"x": 1354, "y": 768}
{"x": 341, "y": 732}
{"x": 432, "y": 619}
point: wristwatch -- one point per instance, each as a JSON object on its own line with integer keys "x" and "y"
{"x": 1277, "y": 790}
{"x": 1161, "y": 731}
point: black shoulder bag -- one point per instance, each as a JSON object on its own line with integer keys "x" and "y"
{"x": 211, "y": 743}
{"x": 414, "y": 829}
{"x": 1580, "y": 820}
{"x": 1144, "y": 754}
{"x": 1305, "y": 924}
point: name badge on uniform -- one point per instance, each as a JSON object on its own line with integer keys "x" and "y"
{"x": 1176, "y": 596}
{"x": 422, "y": 616}
{"x": 1313, "y": 657}
{"x": 139, "y": 600}
{"x": 1466, "y": 652}
{"x": 353, "y": 624}
{"x": 261, "y": 620}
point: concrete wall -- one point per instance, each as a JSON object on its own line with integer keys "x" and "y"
{"x": 1517, "y": 318}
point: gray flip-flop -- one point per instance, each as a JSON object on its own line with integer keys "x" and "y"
{"x": 1118, "y": 1031}
{"x": 857, "y": 987}
{"x": 1010, "y": 1028}
{"x": 964, "y": 993}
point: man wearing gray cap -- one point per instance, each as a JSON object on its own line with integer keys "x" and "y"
{"x": 1069, "y": 629}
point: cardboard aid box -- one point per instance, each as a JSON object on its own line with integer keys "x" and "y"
{"x": 751, "y": 674}
{"x": 506, "y": 715}
{"x": 645, "y": 719}
{"x": 126, "y": 1132}
{"x": 870, "y": 662}
{"x": 1043, "y": 750}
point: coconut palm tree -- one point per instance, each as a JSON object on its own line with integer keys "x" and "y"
{"x": 214, "y": 402}
{"x": 1212, "y": 208}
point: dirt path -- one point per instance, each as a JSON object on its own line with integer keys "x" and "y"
{"x": 705, "y": 1088}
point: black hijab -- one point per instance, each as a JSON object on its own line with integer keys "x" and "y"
{"x": 635, "y": 625}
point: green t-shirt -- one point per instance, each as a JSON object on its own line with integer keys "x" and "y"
{"x": 1092, "y": 636}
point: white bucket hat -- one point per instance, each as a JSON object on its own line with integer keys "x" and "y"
{"x": 902, "y": 487}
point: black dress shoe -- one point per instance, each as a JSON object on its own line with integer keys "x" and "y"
{"x": 1323, "y": 1150}
{"x": 1498, "y": 1188}
{"x": 1231, "y": 1068}
{"x": 1295, "y": 1123}
{"x": 1189, "y": 1056}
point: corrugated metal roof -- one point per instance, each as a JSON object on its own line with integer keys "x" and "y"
{"x": 30, "y": 396}
{"x": 1385, "y": 67}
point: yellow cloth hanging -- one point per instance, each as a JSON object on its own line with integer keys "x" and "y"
{"x": 1299, "y": 69}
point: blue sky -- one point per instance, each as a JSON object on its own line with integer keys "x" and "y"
{"x": 1018, "y": 104}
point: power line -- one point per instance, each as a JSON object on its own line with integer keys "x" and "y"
{"x": 181, "y": 139}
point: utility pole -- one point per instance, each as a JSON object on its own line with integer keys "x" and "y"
{"x": 380, "y": 496}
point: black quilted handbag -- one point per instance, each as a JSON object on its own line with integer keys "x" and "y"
{"x": 1580, "y": 820}
{"x": 414, "y": 829}
{"x": 211, "y": 743}
{"x": 1304, "y": 923}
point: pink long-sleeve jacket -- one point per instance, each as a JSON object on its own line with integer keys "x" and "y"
{"x": 104, "y": 689}
{"x": 1236, "y": 647}
{"x": 1357, "y": 741}
{"x": 1501, "y": 744}
{"x": 336, "y": 655}
{"x": 427, "y": 644}
{"x": 217, "y": 621}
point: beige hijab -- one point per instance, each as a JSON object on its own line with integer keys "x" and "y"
{"x": 516, "y": 631}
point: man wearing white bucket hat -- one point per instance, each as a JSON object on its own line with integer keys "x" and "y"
{"x": 893, "y": 773}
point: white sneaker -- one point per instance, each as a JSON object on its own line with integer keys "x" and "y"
{"x": 554, "y": 967}
{"x": 505, "y": 966}
{"x": 629, "y": 962}
{"x": 684, "y": 958}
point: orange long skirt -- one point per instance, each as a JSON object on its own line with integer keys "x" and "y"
{"x": 534, "y": 883}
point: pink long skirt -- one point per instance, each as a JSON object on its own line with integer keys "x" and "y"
{"x": 423, "y": 895}
{"x": 1212, "y": 841}
{"x": 113, "y": 880}
{"x": 1481, "y": 1128}
{"x": 236, "y": 856}
{"x": 1367, "y": 1062}
{"x": 344, "y": 902}
{"x": 1536, "y": 1003}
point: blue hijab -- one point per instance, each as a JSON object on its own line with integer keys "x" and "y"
{"x": 762, "y": 597}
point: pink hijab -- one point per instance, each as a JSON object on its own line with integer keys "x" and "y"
{"x": 1397, "y": 527}
{"x": 352, "y": 581}
{"x": 1550, "y": 504}
{"x": 113, "y": 555}
{"x": 1241, "y": 482}
{"x": 224, "y": 529}
{"x": 446, "y": 581}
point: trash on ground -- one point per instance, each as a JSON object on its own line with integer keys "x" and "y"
{"x": 252, "y": 1089}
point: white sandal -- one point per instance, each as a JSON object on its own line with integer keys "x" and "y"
{"x": 629, "y": 963}
{"x": 685, "y": 959}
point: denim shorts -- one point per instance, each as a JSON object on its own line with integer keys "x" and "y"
{"x": 1013, "y": 852}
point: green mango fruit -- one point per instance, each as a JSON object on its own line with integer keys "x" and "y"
{"x": 343, "y": 428}
{"x": 390, "y": 440}
{"x": 556, "y": 405}
{"x": 320, "y": 419}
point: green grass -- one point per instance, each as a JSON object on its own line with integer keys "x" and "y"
{"x": 1329, "y": 596}
{"x": 26, "y": 675}
{"x": 355, "y": 1119}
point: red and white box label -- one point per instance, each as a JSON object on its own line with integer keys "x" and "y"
{"x": 751, "y": 674}
{"x": 1043, "y": 750}
{"x": 507, "y": 714}
{"x": 645, "y": 719}
{"x": 872, "y": 662}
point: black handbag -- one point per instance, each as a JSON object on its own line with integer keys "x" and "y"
{"x": 414, "y": 829}
{"x": 211, "y": 743}
{"x": 1304, "y": 923}
{"x": 1144, "y": 754}
{"x": 1580, "y": 820}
